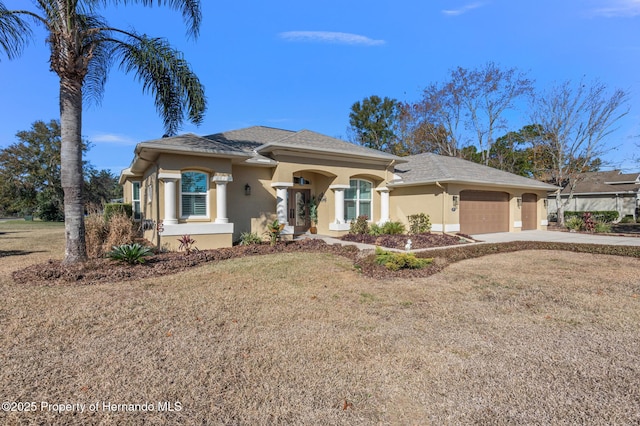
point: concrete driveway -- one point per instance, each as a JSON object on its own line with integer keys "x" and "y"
{"x": 558, "y": 236}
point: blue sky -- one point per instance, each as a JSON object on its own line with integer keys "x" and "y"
{"x": 302, "y": 64}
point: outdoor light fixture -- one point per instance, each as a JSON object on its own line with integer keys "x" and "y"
{"x": 455, "y": 201}
{"x": 546, "y": 203}
{"x": 519, "y": 201}
{"x": 247, "y": 189}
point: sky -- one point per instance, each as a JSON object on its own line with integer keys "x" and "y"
{"x": 302, "y": 64}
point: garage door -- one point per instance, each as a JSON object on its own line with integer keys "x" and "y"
{"x": 484, "y": 212}
{"x": 529, "y": 211}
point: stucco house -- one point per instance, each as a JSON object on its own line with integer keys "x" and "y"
{"x": 598, "y": 191}
{"x": 216, "y": 187}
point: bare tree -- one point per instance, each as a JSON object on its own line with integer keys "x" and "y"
{"x": 576, "y": 118}
{"x": 472, "y": 100}
{"x": 486, "y": 94}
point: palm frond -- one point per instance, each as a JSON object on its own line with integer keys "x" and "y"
{"x": 15, "y": 32}
{"x": 190, "y": 9}
{"x": 164, "y": 72}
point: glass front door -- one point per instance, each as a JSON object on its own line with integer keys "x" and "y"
{"x": 299, "y": 210}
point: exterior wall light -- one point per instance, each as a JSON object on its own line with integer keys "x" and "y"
{"x": 519, "y": 201}
{"x": 456, "y": 200}
{"x": 247, "y": 189}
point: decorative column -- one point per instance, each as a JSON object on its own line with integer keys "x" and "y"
{"x": 384, "y": 204}
{"x": 170, "y": 179}
{"x": 221, "y": 182}
{"x": 281, "y": 200}
{"x": 338, "y": 194}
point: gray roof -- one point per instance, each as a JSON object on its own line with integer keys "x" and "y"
{"x": 607, "y": 182}
{"x": 254, "y": 141}
{"x": 430, "y": 168}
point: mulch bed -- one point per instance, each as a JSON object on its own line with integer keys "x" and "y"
{"x": 418, "y": 241}
{"x": 105, "y": 270}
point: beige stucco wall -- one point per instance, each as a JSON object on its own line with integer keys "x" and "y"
{"x": 438, "y": 204}
{"x": 624, "y": 204}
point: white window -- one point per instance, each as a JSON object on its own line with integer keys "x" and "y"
{"x": 135, "y": 200}
{"x": 357, "y": 199}
{"x": 193, "y": 195}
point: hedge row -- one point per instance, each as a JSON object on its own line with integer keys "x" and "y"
{"x": 606, "y": 216}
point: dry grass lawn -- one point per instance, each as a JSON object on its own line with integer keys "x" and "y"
{"x": 532, "y": 337}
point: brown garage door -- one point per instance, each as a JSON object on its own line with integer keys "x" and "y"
{"x": 484, "y": 212}
{"x": 529, "y": 211}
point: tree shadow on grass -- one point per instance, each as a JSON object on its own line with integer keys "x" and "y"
{"x": 8, "y": 253}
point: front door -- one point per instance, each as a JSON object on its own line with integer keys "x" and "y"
{"x": 299, "y": 210}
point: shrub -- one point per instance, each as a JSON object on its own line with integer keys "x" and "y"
{"x": 274, "y": 230}
{"x": 130, "y": 253}
{"x": 393, "y": 228}
{"x": 95, "y": 234}
{"x": 588, "y": 223}
{"x": 360, "y": 225}
{"x": 419, "y": 223}
{"x": 602, "y": 227}
{"x": 249, "y": 238}
{"x": 627, "y": 219}
{"x": 120, "y": 230}
{"x": 395, "y": 261}
{"x": 112, "y": 209}
{"x": 375, "y": 230}
{"x": 186, "y": 243}
{"x": 598, "y": 215}
{"x": 574, "y": 223}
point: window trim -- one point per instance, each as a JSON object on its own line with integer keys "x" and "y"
{"x": 205, "y": 193}
{"x": 358, "y": 200}
{"x": 136, "y": 200}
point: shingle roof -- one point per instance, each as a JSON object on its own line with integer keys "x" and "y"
{"x": 312, "y": 141}
{"x": 606, "y": 182}
{"x": 430, "y": 168}
{"x": 256, "y": 140}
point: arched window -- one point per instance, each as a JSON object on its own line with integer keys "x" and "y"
{"x": 357, "y": 199}
{"x": 193, "y": 195}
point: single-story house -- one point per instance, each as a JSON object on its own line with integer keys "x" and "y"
{"x": 599, "y": 191}
{"x": 216, "y": 187}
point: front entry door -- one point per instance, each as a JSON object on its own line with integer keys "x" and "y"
{"x": 299, "y": 210}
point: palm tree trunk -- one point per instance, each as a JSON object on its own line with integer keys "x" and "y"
{"x": 71, "y": 169}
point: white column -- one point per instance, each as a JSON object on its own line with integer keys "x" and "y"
{"x": 170, "y": 215}
{"x": 338, "y": 191}
{"x": 384, "y": 204}
{"x": 221, "y": 182}
{"x": 281, "y": 200}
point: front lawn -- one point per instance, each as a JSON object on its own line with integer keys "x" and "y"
{"x": 528, "y": 337}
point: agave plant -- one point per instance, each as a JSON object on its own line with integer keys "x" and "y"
{"x": 130, "y": 253}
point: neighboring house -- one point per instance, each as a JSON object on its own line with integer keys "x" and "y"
{"x": 216, "y": 187}
{"x": 598, "y": 191}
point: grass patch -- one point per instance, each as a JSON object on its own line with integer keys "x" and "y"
{"x": 284, "y": 338}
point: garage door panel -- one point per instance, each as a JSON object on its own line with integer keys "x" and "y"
{"x": 484, "y": 212}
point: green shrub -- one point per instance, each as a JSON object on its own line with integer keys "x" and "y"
{"x": 360, "y": 225}
{"x": 274, "y": 230}
{"x": 419, "y": 223}
{"x": 598, "y": 215}
{"x": 249, "y": 238}
{"x": 375, "y": 230}
{"x": 393, "y": 228}
{"x": 395, "y": 261}
{"x": 130, "y": 253}
{"x": 602, "y": 227}
{"x": 574, "y": 223}
{"x": 627, "y": 219}
{"x": 111, "y": 209}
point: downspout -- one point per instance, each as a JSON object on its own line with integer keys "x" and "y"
{"x": 157, "y": 197}
{"x": 444, "y": 222}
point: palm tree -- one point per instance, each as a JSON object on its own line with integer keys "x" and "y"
{"x": 83, "y": 49}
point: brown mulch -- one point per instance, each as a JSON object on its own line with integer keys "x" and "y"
{"x": 105, "y": 270}
{"x": 418, "y": 241}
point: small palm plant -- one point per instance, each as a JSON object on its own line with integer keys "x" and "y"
{"x": 274, "y": 229}
{"x": 130, "y": 253}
